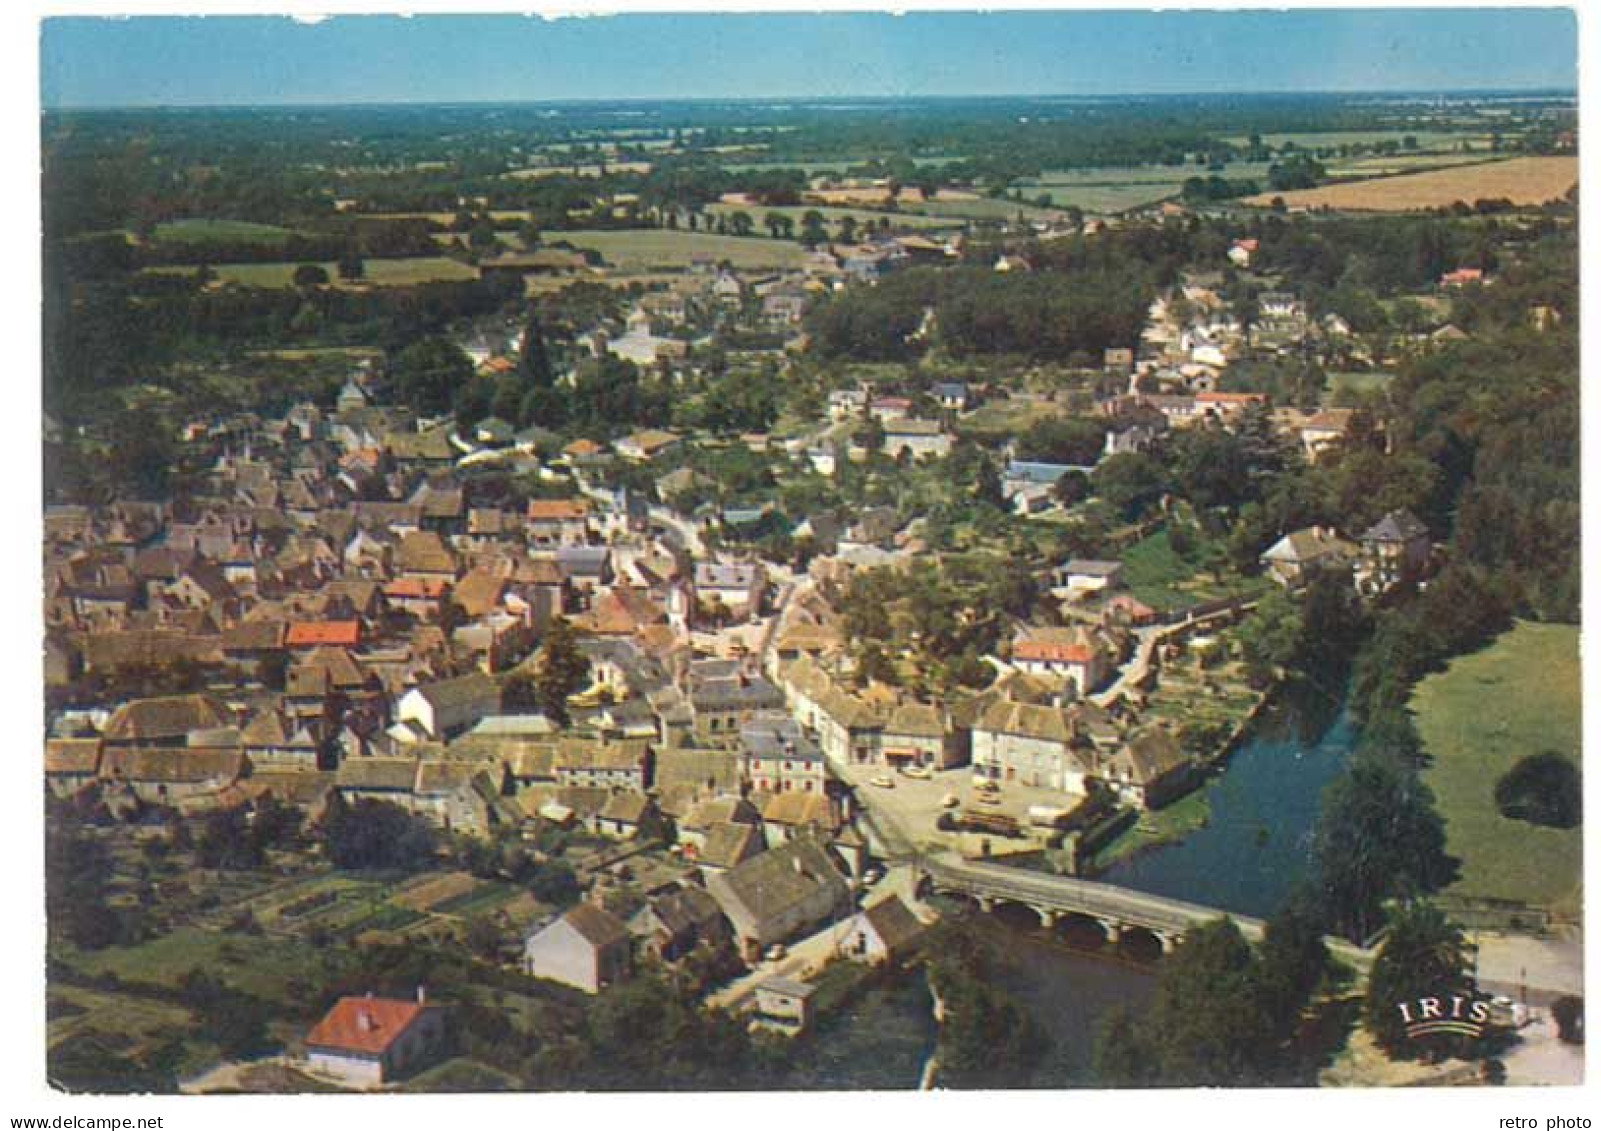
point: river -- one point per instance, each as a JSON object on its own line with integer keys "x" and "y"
{"x": 1258, "y": 839}
{"x": 882, "y": 1040}
{"x": 1255, "y": 846}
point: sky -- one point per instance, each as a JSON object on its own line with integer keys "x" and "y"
{"x": 227, "y": 60}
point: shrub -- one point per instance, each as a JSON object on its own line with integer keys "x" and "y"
{"x": 1543, "y": 789}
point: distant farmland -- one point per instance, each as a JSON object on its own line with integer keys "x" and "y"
{"x": 379, "y": 272}
{"x": 660, "y": 249}
{"x": 1524, "y": 181}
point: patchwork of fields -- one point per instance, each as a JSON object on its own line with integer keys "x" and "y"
{"x": 1525, "y": 181}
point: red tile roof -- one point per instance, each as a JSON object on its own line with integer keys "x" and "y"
{"x": 557, "y": 510}
{"x": 311, "y": 634}
{"x": 1048, "y": 650}
{"x": 363, "y": 1024}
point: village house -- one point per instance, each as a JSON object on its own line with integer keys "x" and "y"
{"x": 1394, "y": 550}
{"x": 780, "y": 894}
{"x": 627, "y": 815}
{"x": 587, "y": 948}
{"x": 919, "y": 734}
{"x": 369, "y": 1041}
{"x": 676, "y": 922}
{"x": 736, "y": 586}
{"x": 1085, "y": 576}
{"x": 1292, "y": 559}
{"x": 782, "y": 1005}
{"x": 787, "y": 816}
{"x": 377, "y": 779}
{"x": 916, "y": 438}
{"x": 641, "y": 447}
{"x": 449, "y": 707}
{"x": 557, "y": 522}
{"x": 1150, "y": 770}
{"x": 778, "y": 758}
{"x": 1077, "y": 654}
{"x": 886, "y": 932}
{"x": 723, "y": 695}
{"x": 953, "y": 396}
{"x": 168, "y": 776}
{"x": 162, "y": 722}
{"x": 848, "y": 731}
{"x": 615, "y": 764}
{"x": 727, "y": 845}
{"x": 1323, "y": 431}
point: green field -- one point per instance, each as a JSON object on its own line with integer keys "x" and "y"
{"x": 1517, "y": 697}
{"x": 220, "y": 231}
{"x": 260, "y": 965}
{"x": 666, "y": 250}
{"x": 379, "y": 272}
{"x": 1111, "y": 190}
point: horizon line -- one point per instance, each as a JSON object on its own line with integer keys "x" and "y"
{"x": 709, "y": 99}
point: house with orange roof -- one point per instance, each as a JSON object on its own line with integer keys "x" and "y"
{"x": 558, "y": 522}
{"x": 1076, "y": 654}
{"x": 323, "y": 633}
{"x": 370, "y": 1041}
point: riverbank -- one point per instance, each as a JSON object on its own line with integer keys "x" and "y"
{"x": 1246, "y": 838}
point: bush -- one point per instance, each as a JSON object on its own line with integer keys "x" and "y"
{"x": 1568, "y": 1012}
{"x": 1543, "y": 789}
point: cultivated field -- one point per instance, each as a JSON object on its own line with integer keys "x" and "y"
{"x": 220, "y": 231}
{"x": 1522, "y": 180}
{"x": 1519, "y": 696}
{"x": 666, "y": 250}
{"x": 379, "y": 273}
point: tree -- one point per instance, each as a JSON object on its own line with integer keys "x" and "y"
{"x": 1378, "y": 838}
{"x": 1568, "y": 1012}
{"x": 310, "y": 275}
{"x": 1129, "y": 481}
{"x": 555, "y": 884}
{"x": 559, "y": 669}
{"x": 376, "y": 834}
{"x": 1209, "y": 1024}
{"x": 352, "y": 266}
{"x": 226, "y": 841}
{"x": 1424, "y": 956}
{"x": 740, "y": 224}
{"x": 813, "y": 231}
{"x": 1071, "y": 440}
{"x": 428, "y": 373}
{"x": 534, "y": 361}
{"x": 1542, "y": 789}
{"x": 1293, "y": 959}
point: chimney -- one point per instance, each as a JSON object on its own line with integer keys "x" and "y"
{"x": 422, "y": 995}
{"x": 364, "y": 1020}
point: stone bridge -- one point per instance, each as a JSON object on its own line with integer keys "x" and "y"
{"x": 1052, "y": 898}
{"x": 1116, "y": 909}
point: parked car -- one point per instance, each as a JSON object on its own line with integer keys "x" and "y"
{"x": 776, "y": 952}
{"x": 883, "y": 781}
{"x": 921, "y": 773}
{"x": 949, "y": 801}
{"x": 988, "y": 797}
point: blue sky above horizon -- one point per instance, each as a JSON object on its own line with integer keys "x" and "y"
{"x": 220, "y": 60}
